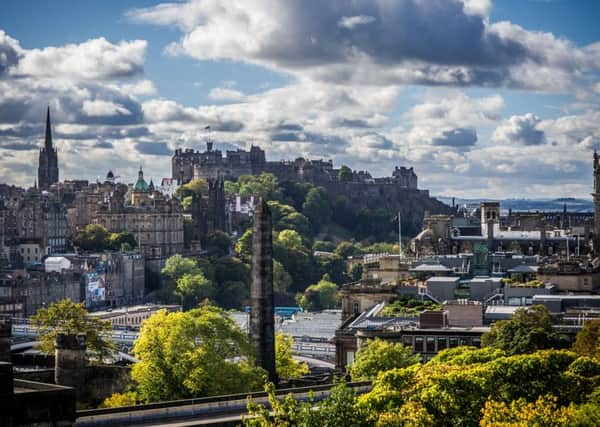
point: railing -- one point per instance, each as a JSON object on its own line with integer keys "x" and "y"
{"x": 202, "y": 408}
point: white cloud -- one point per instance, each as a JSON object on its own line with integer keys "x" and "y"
{"x": 95, "y": 59}
{"x": 103, "y": 108}
{"x": 225, "y": 94}
{"x": 435, "y": 42}
{"x": 520, "y": 130}
{"x": 349, "y": 22}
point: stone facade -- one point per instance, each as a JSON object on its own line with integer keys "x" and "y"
{"x": 262, "y": 316}
{"x": 48, "y": 160}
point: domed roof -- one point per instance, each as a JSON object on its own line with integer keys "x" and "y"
{"x": 141, "y": 184}
{"x": 110, "y": 175}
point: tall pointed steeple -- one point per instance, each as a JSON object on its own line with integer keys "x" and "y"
{"x": 48, "y": 140}
{"x": 48, "y": 161}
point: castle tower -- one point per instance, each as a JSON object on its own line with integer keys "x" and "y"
{"x": 48, "y": 160}
{"x": 262, "y": 318}
{"x": 596, "y": 196}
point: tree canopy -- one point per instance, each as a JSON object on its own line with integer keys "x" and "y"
{"x": 182, "y": 353}
{"x": 587, "y": 342}
{"x": 285, "y": 364}
{"x": 68, "y": 317}
{"x": 320, "y": 296}
{"x": 379, "y": 356}
{"x": 528, "y": 330}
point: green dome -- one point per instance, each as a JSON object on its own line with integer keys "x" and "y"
{"x": 141, "y": 184}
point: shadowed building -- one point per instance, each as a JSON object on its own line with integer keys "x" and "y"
{"x": 262, "y": 319}
{"x": 48, "y": 163}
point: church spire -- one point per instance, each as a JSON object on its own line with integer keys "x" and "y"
{"x": 48, "y": 140}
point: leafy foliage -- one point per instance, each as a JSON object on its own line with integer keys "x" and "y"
{"x": 182, "y": 353}
{"x": 338, "y": 409}
{"x": 285, "y": 364}
{"x": 587, "y": 342}
{"x": 408, "y": 306}
{"x": 217, "y": 243}
{"x": 319, "y": 296}
{"x": 529, "y": 329}
{"x": 379, "y": 356}
{"x": 68, "y": 317}
{"x": 129, "y": 398}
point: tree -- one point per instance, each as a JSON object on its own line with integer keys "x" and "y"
{"x": 543, "y": 412}
{"x": 339, "y": 409}
{"x": 182, "y": 353}
{"x": 217, "y": 243}
{"x": 346, "y": 249}
{"x": 320, "y": 296}
{"x": 587, "y": 342}
{"x": 264, "y": 185}
{"x": 317, "y": 208}
{"x": 281, "y": 278}
{"x": 285, "y": 364}
{"x": 193, "y": 288}
{"x": 93, "y": 237}
{"x": 116, "y": 400}
{"x": 356, "y": 273}
{"x": 529, "y": 329}
{"x": 243, "y": 247}
{"x": 177, "y": 266}
{"x": 323, "y": 246}
{"x": 290, "y": 239}
{"x": 378, "y": 356}
{"x": 68, "y": 317}
{"x": 345, "y": 174}
{"x": 124, "y": 239}
{"x": 195, "y": 186}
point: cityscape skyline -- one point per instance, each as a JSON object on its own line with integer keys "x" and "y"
{"x": 503, "y": 103}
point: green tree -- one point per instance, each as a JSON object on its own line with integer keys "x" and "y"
{"x": 356, "y": 273}
{"x": 345, "y": 173}
{"x": 243, "y": 247}
{"x": 177, "y": 266}
{"x": 92, "y": 237}
{"x": 285, "y": 364}
{"x": 217, "y": 243}
{"x": 281, "y": 278}
{"x": 587, "y": 342}
{"x": 379, "y": 356}
{"x": 116, "y": 400}
{"x": 193, "y": 288}
{"x": 529, "y": 329}
{"x": 264, "y": 185}
{"x": 68, "y": 317}
{"x": 346, "y": 249}
{"x": 195, "y": 186}
{"x": 124, "y": 239}
{"x": 320, "y": 296}
{"x": 339, "y": 409}
{"x": 317, "y": 208}
{"x": 290, "y": 239}
{"x": 180, "y": 354}
{"x": 323, "y": 246}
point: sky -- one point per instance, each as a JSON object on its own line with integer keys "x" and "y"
{"x": 485, "y": 99}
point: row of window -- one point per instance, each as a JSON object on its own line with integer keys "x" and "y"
{"x": 434, "y": 344}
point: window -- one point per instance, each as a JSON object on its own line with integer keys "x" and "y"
{"x": 442, "y": 343}
{"x": 430, "y": 344}
{"x": 349, "y": 358}
{"x": 476, "y": 341}
{"x": 419, "y": 344}
{"x": 453, "y": 342}
{"x": 407, "y": 340}
{"x": 355, "y": 307}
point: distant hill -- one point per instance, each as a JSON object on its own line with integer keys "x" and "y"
{"x": 548, "y": 205}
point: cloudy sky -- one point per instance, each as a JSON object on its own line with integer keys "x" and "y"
{"x": 484, "y": 98}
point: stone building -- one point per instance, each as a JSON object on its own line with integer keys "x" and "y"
{"x": 48, "y": 159}
{"x": 571, "y": 276}
{"x": 156, "y": 221}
